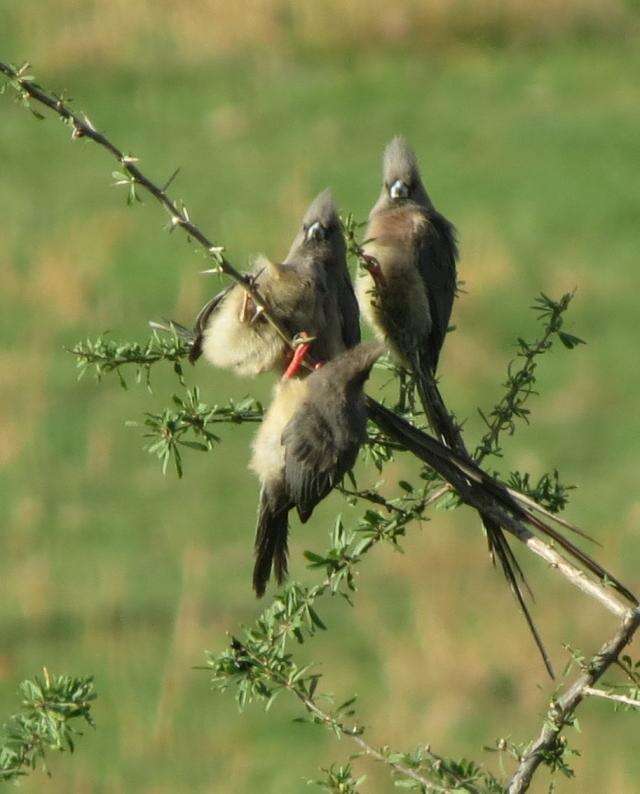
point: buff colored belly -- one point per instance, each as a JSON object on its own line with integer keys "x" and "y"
{"x": 400, "y": 313}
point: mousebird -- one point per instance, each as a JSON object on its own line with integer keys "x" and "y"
{"x": 407, "y": 295}
{"x": 308, "y": 441}
{"x": 310, "y": 294}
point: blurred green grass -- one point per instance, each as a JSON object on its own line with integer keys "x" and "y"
{"x": 108, "y": 567}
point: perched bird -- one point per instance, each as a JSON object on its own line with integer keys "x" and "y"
{"x": 310, "y": 294}
{"x": 407, "y": 296}
{"x": 309, "y": 439}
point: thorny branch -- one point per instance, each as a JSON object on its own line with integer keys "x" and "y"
{"x": 561, "y": 711}
{"x": 82, "y": 127}
{"x": 353, "y": 732}
{"x": 259, "y": 666}
{"x": 519, "y": 388}
{"x": 521, "y": 380}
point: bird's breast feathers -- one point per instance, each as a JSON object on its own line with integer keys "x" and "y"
{"x": 399, "y": 307}
{"x": 267, "y": 458}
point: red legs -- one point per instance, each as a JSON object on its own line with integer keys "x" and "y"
{"x": 302, "y": 345}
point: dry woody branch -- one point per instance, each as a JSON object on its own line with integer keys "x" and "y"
{"x": 257, "y": 664}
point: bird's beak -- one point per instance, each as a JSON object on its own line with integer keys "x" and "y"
{"x": 316, "y": 231}
{"x": 399, "y": 189}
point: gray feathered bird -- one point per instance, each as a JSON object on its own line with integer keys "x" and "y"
{"x": 309, "y": 294}
{"x": 309, "y": 439}
{"x": 407, "y": 297}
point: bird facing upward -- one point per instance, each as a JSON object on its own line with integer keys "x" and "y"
{"x": 309, "y": 439}
{"x": 408, "y": 297}
{"x": 310, "y": 294}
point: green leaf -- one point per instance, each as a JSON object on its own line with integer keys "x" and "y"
{"x": 569, "y": 340}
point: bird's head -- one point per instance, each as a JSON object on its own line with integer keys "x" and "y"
{"x": 321, "y": 233}
{"x": 401, "y": 180}
{"x": 321, "y": 218}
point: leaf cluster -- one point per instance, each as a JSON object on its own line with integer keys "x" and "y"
{"x": 52, "y": 707}
{"x": 520, "y": 383}
{"x": 259, "y": 664}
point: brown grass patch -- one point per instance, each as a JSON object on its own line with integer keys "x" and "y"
{"x": 66, "y": 33}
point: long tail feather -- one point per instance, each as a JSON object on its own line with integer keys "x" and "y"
{"x": 505, "y": 555}
{"x": 450, "y": 466}
{"x": 583, "y": 557}
{"x": 444, "y": 426}
{"x": 529, "y": 503}
{"x": 270, "y": 547}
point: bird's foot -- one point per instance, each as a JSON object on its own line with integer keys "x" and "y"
{"x": 375, "y": 271}
{"x": 302, "y": 344}
{"x": 250, "y": 310}
{"x": 247, "y": 306}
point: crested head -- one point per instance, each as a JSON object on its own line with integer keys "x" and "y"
{"x": 401, "y": 180}
{"x": 399, "y": 161}
{"x": 322, "y": 210}
{"x": 320, "y": 234}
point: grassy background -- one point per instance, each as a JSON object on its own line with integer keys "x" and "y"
{"x": 526, "y": 125}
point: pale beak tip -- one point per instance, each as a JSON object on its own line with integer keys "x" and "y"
{"x": 398, "y": 190}
{"x": 315, "y": 231}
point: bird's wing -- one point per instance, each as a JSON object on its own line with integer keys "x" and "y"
{"x": 311, "y": 459}
{"x": 437, "y": 255}
{"x": 207, "y": 310}
{"x": 201, "y": 322}
{"x": 349, "y": 312}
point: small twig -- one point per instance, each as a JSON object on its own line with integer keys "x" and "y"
{"x": 562, "y": 709}
{"x": 376, "y": 498}
{"x": 521, "y": 380}
{"x": 83, "y": 128}
{"x": 600, "y": 693}
{"x": 354, "y": 732}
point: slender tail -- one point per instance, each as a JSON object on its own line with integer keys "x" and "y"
{"x": 270, "y": 547}
{"x": 444, "y": 427}
{"x": 452, "y": 469}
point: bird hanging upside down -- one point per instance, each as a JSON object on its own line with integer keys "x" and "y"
{"x": 308, "y": 441}
{"x": 310, "y": 294}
